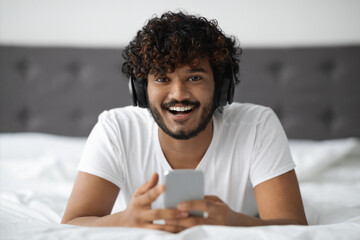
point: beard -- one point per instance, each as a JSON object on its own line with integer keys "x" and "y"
{"x": 206, "y": 116}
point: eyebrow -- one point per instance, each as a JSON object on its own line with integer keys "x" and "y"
{"x": 194, "y": 70}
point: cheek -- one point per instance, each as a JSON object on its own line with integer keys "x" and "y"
{"x": 155, "y": 95}
{"x": 207, "y": 93}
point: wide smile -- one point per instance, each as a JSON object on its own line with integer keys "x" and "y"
{"x": 180, "y": 110}
{"x": 180, "y": 113}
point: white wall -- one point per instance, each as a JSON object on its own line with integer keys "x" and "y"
{"x": 112, "y": 23}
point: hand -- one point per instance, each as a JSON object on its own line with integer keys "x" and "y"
{"x": 216, "y": 213}
{"x": 139, "y": 212}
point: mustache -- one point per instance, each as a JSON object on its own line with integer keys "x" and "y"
{"x": 184, "y": 102}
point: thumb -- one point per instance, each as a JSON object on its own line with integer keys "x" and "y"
{"x": 152, "y": 182}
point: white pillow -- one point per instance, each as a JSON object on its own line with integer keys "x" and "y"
{"x": 314, "y": 157}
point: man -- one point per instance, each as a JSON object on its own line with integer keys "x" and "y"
{"x": 182, "y": 68}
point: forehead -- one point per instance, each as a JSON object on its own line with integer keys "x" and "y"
{"x": 197, "y": 65}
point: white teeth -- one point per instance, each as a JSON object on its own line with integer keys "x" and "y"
{"x": 180, "y": 109}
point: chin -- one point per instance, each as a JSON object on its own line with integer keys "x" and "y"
{"x": 180, "y": 133}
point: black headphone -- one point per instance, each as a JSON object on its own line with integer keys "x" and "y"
{"x": 224, "y": 89}
{"x": 138, "y": 94}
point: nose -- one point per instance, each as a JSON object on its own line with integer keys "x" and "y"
{"x": 179, "y": 91}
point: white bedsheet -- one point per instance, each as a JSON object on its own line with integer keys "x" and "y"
{"x": 37, "y": 172}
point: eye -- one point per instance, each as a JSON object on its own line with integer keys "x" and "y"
{"x": 161, "y": 80}
{"x": 195, "y": 78}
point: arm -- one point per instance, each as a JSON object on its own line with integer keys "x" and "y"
{"x": 92, "y": 199}
{"x": 278, "y": 199}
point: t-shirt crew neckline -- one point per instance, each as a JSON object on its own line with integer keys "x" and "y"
{"x": 162, "y": 159}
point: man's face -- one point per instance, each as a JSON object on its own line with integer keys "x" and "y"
{"x": 181, "y": 102}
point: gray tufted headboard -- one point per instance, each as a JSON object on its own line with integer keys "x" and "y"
{"x": 314, "y": 91}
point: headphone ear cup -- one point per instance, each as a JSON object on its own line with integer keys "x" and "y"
{"x": 133, "y": 98}
{"x": 223, "y": 91}
{"x": 138, "y": 92}
{"x": 232, "y": 86}
{"x": 226, "y": 87}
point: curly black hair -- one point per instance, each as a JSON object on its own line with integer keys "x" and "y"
{"x": 177, "y": 39}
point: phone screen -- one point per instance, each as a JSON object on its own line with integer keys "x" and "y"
{"x": 183, "y": 185}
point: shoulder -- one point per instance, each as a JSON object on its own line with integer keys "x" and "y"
{"x": 125, "y": 113}
{"x": 124, "y": 117}
{"x": 245, "y": 113}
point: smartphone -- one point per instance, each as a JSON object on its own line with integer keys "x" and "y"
{"x": 183, "y": 185}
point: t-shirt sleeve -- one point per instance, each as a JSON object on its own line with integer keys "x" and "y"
{"x": 271, "y": 155}
{"x": 103, "y": 153}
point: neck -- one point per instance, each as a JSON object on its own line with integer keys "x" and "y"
{"x": 186, "y": 154}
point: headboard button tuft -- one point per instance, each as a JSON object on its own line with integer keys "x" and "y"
{"x": 75, "y": 68}
{"x": 327, "y": 117}
{"x": 76, "y": 115}
{"x": 23, "y": 116}
{"x": 25, "y": 67}
{"x": 275, "y": 68}
{"x": 327, "y": 67}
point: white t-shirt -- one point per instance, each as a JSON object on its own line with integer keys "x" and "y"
{"x": 248, "y": 147}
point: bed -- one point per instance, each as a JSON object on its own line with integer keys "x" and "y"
{"x": 50, "y": 99}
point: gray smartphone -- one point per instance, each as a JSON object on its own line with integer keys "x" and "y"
{"x": 183, "y": 185}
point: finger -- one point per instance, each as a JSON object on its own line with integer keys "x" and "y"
{"x": 188, "y": 222}
{"x": 167, "y": 228}
{"x": 199, "y": 205}
{"x": 148, "y": 185}
{"x": 151, "y": 195}
{"x": 213, "y": 198}
{"x": 154, "y": 214}
{"x": 210, "y": 208}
